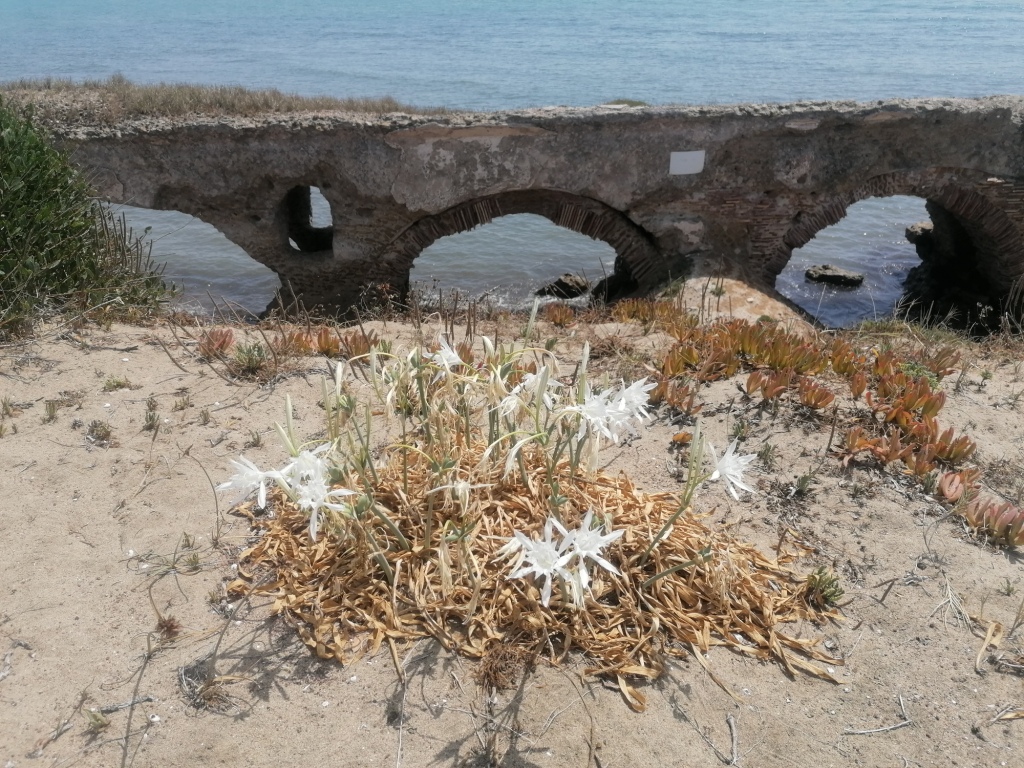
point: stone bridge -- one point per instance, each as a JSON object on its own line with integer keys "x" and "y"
{"x": 728, "y": 190}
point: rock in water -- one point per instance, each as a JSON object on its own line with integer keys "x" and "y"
{"x": 826, "y": 273}
{"x": 568, "y": 286}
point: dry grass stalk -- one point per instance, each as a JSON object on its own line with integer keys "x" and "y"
{"x": 117, "y": 98}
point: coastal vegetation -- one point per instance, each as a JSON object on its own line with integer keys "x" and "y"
{"x": 456, "y": 488}
{"x": 117, "y": 98}
{"x": 529, "y": 503}
{"x": 59, "y": 248}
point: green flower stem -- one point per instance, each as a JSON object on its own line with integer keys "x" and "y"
{"x": 383, "y": 516}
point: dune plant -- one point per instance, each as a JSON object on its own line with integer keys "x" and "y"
{"x": 215, "y": 343}
{"x": 479, "y": 515}
{"x": 60, "y": 249}
{"x": 117, "y": 98}
{"x": 1001, "y": 523}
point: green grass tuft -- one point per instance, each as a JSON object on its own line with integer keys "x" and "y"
{"x": 60, "y": 249}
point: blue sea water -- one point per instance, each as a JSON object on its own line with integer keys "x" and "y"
{"x": 490, "y": 54}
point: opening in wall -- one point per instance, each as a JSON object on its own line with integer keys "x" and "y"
{"x": 509, "y": 260}
{"x": 871, "y": 240}
{"x": 310, "y": 224}
{"x": 210, "y": 270}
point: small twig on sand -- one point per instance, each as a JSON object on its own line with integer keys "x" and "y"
{"x": 125, "y": 746}
{"x": 62, "y": 727}
{"x": 952, "y": 605}
{"x": 181, "y": 368}
{"x": 472, "y": 712}
{"x": 704, "y": 737}
{"x": 902, "y": 724}
{"x": 405, "y": 693}
{"x": 734, "y": 732}
{"x": 111, "y": 708}
{"x": 1010, "y": 712}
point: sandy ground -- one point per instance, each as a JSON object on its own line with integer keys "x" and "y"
{"x": 100, "y": 537}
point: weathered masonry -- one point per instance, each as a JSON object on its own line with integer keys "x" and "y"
{"x": 727, "y": 189}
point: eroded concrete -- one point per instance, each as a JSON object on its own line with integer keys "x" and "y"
{"x": 773, "y": 176}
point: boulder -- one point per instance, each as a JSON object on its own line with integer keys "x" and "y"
{"x": 922, "y": 237}
{"x": 568, "y": 286}
{"x": 826, "y": 273}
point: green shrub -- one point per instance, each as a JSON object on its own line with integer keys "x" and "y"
{"x": 59, "y": 248}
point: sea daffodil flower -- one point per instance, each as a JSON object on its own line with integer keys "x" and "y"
{"x": 730, "y": 469}
{"x": 587, "y": 544}
{"x": 543, "y": 559}
{"x": 445, "y": 357}
{"x": 248, "y": 478}
{"x": 609, "y": 413}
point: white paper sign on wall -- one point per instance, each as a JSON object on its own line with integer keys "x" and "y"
{"x": 685, "y": 163}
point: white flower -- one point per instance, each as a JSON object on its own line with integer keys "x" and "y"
{"x": 542, "y": 559}
{"x": 635, "y": 399}
{"x": 248, "y": 478}
{"x": 307, "y": 477}
{"x": 609, "y": 413}
{"x": 731, "y": 469}
{"x": 445, "y": 357}
{"x": 597, "y": 416}
{"x": 306, "y": 465}
{"x": 460, "y": 491}
{"x": 314, "y": 495}
{"x": 546, "y": 559}
{"x": 587, "y": 544}
{"x": 528, "y": 390}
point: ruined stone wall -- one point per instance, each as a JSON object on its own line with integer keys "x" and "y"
{"x": 725, "y": 190}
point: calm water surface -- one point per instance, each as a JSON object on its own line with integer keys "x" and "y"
{"x": 490, "y": 54}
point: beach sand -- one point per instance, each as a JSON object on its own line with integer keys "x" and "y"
{"x": 99, "y": 537}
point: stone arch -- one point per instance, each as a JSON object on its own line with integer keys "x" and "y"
{"x": 954, "y": 196}
{"x": 637, "y": 265}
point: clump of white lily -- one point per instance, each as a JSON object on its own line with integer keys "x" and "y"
{"x": 547, "y": 560}
{"x": 611, "y": 415}
{"x": 518, "y": 392}
{"x": 465, "y": 517}
{"x": 306, "y": 479}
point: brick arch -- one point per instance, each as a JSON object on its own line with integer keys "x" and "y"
{"x": 637, "y": 264}
{"x": 996, "y": 239}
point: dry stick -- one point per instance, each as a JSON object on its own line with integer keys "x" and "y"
{"x": 1009, "y": 709}
{"x": 832, "y": 434}
{"x": 131, "y": 708}
{"x": 221, "y": 375}
{"x": 111, "y": 708}
{"x": 216, "y": 309}
{"x": 62, "y": 727}
{"x": 591, "y": 754}
{"x": 705, "y": 738}
{"x": 401, "y": 725}
{"x": 164, "y": 346}
{"x": 903, "y": 724}
{"x": 734, "y": 732}
{"x": 405, "y": 693}
{"x": 472, "y": 714}
{"x": 211, "y": 662}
